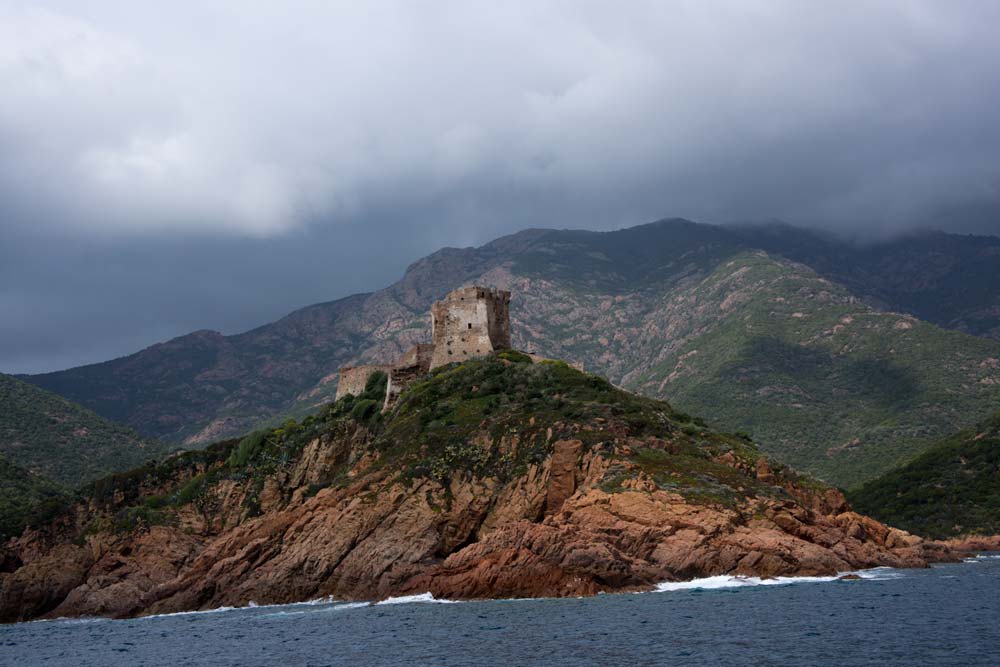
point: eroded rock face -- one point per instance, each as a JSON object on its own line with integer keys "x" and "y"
{"x": 550, "y": 531}
{"x": 562, "y": 473}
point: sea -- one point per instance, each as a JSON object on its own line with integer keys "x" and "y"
{"x": 946, "y": 615}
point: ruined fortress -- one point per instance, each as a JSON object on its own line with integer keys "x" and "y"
{"x": 469, "y": 322}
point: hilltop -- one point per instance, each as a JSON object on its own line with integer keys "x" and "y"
{"x": 951, "y": 490}
{"x": 497, "y": 477}
{"x": 630, "y": 305}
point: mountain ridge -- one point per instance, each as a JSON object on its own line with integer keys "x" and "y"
{"x": 210, "y": 386}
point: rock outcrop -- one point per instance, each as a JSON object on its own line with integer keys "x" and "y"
{"x": 971, "y": 543}
{"x": 490, "y": 479}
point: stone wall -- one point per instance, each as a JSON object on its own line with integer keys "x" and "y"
{"x": 353, "y": 379}
{"x": 399, "y": 379}
{"x": 413, "y": 365}
{"x": 470, "y": 322}
{"x": 418, "y": 355}
{"x": 498, "y": 319}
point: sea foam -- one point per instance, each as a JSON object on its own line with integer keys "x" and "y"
{"x": 423, "y": 597}
{"x": 981, "y": 557}
{"x": 733, "y": 581}
{"x": 312, "y": 608}
{"x": 736, "y": 581}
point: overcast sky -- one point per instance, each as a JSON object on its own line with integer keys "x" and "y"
{"x": 171, "y": 166}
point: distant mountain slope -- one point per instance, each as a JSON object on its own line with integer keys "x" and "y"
{"x": 831, "y": 385}
{"x": 951, "y": 489}
{"x": 624, "y": 303}
{"x": 59, "y": 440}
{"x": 951, "y": 280}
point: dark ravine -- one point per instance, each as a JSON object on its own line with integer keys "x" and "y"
{"x": 494, "y": 478}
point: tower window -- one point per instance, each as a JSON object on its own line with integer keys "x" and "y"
{"x": 470, "y": 325}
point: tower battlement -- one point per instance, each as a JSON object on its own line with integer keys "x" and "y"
{"x": 470, "y": 322}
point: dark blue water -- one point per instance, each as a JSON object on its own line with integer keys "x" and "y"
{"x": 947, "y": 615}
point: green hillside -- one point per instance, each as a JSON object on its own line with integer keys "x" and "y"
{"x": 64, "y": 442}
{"x": 824, "y": 382}
{"x": 951, "y": 489}
{"x": 22, "y": 494}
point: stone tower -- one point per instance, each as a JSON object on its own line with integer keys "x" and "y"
{"x": 470, "y": 322}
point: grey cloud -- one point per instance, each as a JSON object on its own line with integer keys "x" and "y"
{"x": 148, "y": 155}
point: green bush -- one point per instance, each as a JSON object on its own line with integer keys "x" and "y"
{"x": 248, "y": 448}
{"x": 131, "y": 518}
{"x": 375, "y": 387}
{"x": 155, "y": 502}
{"x": 364, "y": 410}
{"x": 191, "y": 490}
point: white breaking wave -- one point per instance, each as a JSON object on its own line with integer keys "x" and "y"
{"x": 250, "y": 605}
{"x": 217, "y": 610}
{"x": 981, "y": 557}
{"x": 314, "y": 609}
{"x": 878, "y": 573}
{"x": 253, "y": 605}
{"x": 68, "y": 620}
{"x": 423, "y": 597}
{"x": 329, "y": 599}
{"x": 735, "y": 581}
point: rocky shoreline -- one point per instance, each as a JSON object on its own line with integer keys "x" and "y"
{"x": 334, "y": 545}
{"x": 622, "y": 496}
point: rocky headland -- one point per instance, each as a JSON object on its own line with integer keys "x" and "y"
{"x": 497, "y": 477}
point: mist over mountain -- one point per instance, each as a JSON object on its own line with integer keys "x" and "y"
{"x": 221, "y": 167}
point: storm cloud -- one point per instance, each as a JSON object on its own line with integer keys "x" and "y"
{"x": 217, "y": 164}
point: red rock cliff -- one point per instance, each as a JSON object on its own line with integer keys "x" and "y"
{"x": 488, "y": 480}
